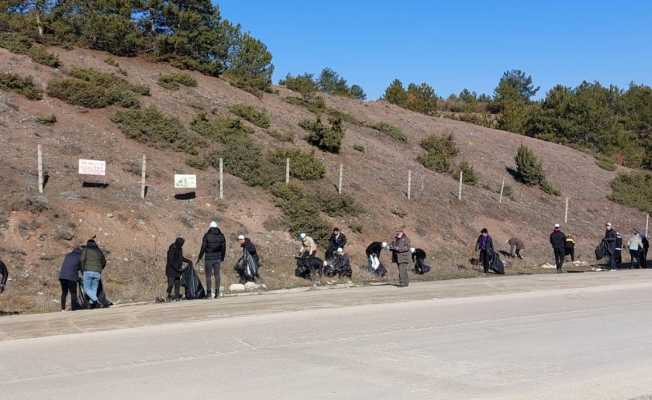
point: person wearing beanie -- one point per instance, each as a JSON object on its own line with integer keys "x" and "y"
{"x": 308, "y": 246}
{"x": 558, "y": 242}
{"x": 213, "y": 248}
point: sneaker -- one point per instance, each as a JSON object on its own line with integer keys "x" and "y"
{"x": 213, "y": 295}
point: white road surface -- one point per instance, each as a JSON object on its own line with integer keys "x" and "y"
{"x": 588, "y": 342}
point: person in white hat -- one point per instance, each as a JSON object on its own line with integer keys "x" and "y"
{"x": 213, "y": 246}
{"x": 558, "y": 242}
{"x": 308, "y": 246}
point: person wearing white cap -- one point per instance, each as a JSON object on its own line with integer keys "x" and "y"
{"x": 308, "y": 246}
{"x": 611, "y": 239}
{"x": 214, "y": 247}
{"x": 558, "y": 242}
{"x": 373, "y": 257}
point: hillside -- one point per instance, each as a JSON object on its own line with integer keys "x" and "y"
{"x": 36, "y": 231}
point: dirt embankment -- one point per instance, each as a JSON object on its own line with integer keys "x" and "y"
{"x": 37, "y": 230}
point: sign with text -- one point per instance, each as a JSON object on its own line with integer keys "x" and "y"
{"x": 185, "y": 181}
{"x": 92, "y": 167}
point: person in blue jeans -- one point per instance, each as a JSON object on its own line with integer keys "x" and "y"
{"x": 92, "y": 265}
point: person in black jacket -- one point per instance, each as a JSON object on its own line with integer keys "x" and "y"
{"x": 646, "y": 248}
{"x": 373, "y": 257}
{"x": 558, "y": 242}
{"x": 611, "y": 239}
{"x": 336, "y": 241}
{"x": 68, "y": 277}
{"x": 174, "y": 268}
{"x": 4, "y": 275}
{"x": 247, "y": 273}
{"x": 485, "y": 246}
{"x": 419, "y": 260}
{"x": 213, "y": 246}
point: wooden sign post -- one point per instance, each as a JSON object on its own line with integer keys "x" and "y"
{"x": 287, "y": 171}
{"x": 459, "y": 195}
{"x": 221, "y": 179}
{"x": 409, "y": 188}
{"x": 143, "y": 177}
{"x": 502, "y": 189}
{"x": 566, "y": 212}
{"x": 39, "y": 156}
{"x": 339, "y": 183}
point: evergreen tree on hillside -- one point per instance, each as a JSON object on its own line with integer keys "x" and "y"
{"x": 396, "y": 94}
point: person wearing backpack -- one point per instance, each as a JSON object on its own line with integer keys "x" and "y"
{"x": 93, "y": 263}
{"x": 213, "y": 248}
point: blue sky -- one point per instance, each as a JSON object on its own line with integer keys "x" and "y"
{"x": 454, "y": 44}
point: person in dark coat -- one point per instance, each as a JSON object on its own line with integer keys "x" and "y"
{"x": 174, "y": 268}
{"x": 373, "y": 257}
{"x": 336, "y": 241}
{"x": 213, "y": 247}
{"x": 646, "y": 248}
{"x": 419, "y": 260}
{"x": 68, "y": 277}
{"x": 611, "y": 239}
{"x": 4, "y": 275}
{"x": 400, "y": 248}
{"x": 515, "y": 247}
{"x": 558, "y": 242}
{"x": 247, "y": 247}
{"x": 485, "y": 246}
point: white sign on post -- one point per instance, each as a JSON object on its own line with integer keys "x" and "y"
{"x": 185, "y": 181}
{"x": 92, "y": 167}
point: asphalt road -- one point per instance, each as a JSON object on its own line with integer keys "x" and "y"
{"x": 556, "y": 337}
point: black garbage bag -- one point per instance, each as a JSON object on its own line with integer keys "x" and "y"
{"x": 602, "y": 250}
{"x": 420, "y": 266}
{"x": 191, "y": 283}
{"x": 84, "y": 300}
{"x": 375, "y": 266}
{"x": 307, "y": 266}
{"x": 497, "y": 264}
{"x": 247, "y": 268}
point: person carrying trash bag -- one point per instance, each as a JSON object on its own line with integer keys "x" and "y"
{"x": 611, "y": 239}
{"x": 569, "y": 247}
{"x": 646, "y": 248}
{"x": 485, "y": 248}
{"x": 375, "y": 266}
{"x": 308, "y": 264}
{"x": 558, "y": 243}
{"x": 336, "y": 241}
{"x": 339, "y": 264}
{"x": 213, "y": 249}
{"x": 174, "y": 268}
{"x": 400, "y": 248}
{"x": 419, "y": 260}
{"x": 248, "y": 265}
{"x": 68, "y": 278}
{"x": 4, "y": 275}
{"x": 635, "y": 246}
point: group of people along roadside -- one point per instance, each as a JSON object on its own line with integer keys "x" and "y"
{"x": 80, "y": 275}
